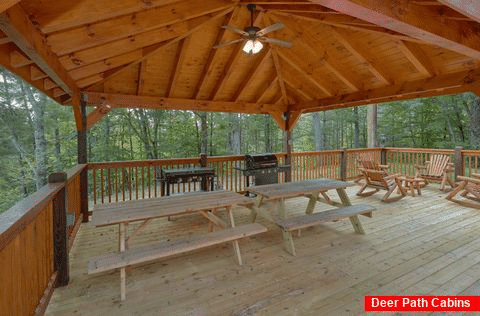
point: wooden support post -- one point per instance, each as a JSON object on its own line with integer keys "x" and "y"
{"x": 459, "y": 170}
{"x": 203, "y": 163}
{"x": 60, "y": 242}
{"x": 383, "y": 156}
{"x": 82, "y": 159}
{"x": 287, "y": 147}
{"x": 343, "y": 164}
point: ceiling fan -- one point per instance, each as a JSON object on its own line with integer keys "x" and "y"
{"x": 253, "y": 36}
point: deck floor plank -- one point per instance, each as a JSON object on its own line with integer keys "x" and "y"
{"x": 418, "y": 245}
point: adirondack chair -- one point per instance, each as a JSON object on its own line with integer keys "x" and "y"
{"x": 367, "y": 161}
{"x": 381, "y": 180}
{"x": 470, "y": 189}
{"x": 437, "y": 169}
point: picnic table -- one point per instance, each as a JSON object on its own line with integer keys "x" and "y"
{"x": 271, "y": 205}
{"x": 204, "y": 203}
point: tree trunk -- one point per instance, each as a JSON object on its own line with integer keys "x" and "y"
{"x": 235, "y": 134}
{"x": 268, "y": 134}
{"x": 473, "y": 110}
{"x": 356, "y": 128}
{"x": 203, "y": 133}
{"x": 38, "y": 109}
{"x": 372, "y": 125}
{"x": 448, "y": 121}
{"x": 318, "y": 132}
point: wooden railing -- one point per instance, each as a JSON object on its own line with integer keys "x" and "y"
{"x": 120, "y": 181}
{"x": 34, "y": 243}
{"x": 34, "y": 255}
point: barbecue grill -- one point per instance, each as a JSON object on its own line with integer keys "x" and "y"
{"x": 264, "y": 169}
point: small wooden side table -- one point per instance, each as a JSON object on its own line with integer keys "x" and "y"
{"x": 410, "y": 183}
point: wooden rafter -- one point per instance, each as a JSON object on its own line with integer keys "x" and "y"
{"x": 376, "y": 68}
{"x": 414, "y": 21}
{"x": 128, "y": 26}
{"x": 350, "y": 79}
{"x": 98, "y": 53}
{"x": 470, "y": 9}
{"x": 305, "y": 75}
{"x": 439, "y": 85}
{"x": 133, "y": 101}
{"x": 236, "y": 54}
{"x": 278, "y": 69}
{"x": 418, "y": 58}
{"x": 370, "y": 28}
{"x": 177, "y": 65}
{"x": 80, "y": 14}
{"x": 6, "y": 4}
{"x": 227, "y": 72}
{"x": 15, "y": 24}
{"x": 272, "y": 85}
{"x": 142, "y": 68}
{"x": 211, "y": 55}
{"x": 252, "y": 73}
{"x": 161, "y": 47}
{"x": 294, "y": 87}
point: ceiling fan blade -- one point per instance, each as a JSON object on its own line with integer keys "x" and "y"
{"x": 271, "y": 28}
{"x": 234, "y": 29}
{"x": 275, "y": 41}
{"x": 228, "y": 43}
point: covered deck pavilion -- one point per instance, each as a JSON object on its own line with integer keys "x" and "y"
{"x": 417, "y": 246}
{"x": 96, "y": 55}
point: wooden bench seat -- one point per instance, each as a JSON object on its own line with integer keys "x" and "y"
{"x": 303, "y": 221}
{"x": 169, "y": 248}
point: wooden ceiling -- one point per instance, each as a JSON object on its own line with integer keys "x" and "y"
{"x": 159, "y": 53}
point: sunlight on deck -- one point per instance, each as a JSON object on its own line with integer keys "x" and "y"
{"x": 418, "y": 245}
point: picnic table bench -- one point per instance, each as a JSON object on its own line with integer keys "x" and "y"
{"x": 314, "y": 190}
{"x": 205, "y": 203}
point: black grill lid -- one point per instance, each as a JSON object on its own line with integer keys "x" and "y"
{"x": 261, "y": 161}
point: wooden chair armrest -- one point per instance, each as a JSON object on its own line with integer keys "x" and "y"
{"x": 475, "y": 175}
{"x": 468, "y": 179}
{"x": 383, "y": 166}
{"x": 393, "y": 176}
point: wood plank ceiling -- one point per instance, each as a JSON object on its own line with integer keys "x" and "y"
{"x": 160, "y": 54}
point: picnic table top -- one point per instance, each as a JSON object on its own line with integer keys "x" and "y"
{"x": 136, "y": 210}
{"x": 293, "y": 189}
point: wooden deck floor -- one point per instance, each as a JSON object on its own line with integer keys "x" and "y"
{"x": 418, "y": 245}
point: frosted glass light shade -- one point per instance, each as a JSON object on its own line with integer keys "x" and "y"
{"x": 252, "y": 47}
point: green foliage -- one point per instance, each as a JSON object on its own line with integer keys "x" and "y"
{"x": 138, "y": 134}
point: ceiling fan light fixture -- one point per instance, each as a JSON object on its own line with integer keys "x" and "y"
{"x": 252, "y": 46}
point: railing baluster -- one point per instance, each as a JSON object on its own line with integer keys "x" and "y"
{"x": 94, "y": 175}
{"x": 109, "y": 186}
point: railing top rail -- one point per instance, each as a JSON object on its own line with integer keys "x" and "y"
{"x": 471, "y": 152}
{"x": 323, "y": 152}
{"x": 21, "y": 214}
{"x": 75, "y": 171}
{"x": 422, "y": 150}
{"x": 361, "y": 150}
